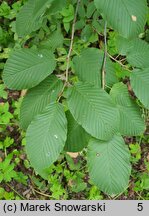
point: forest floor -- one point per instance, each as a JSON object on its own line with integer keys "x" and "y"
{"x": 68, "y": 176}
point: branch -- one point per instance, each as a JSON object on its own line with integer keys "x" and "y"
{"x": 72, "y": 39}
{"x": 70, "y": 49}
{"x": 119, "y": 62}
{"x": 105, "y": 56}
{"x": 16, "y": 192}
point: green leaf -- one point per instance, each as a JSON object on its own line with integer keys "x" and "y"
{"x": 80, "y": 24}
{"x": 86, "y": 33}
{"x": 110, "y": 73}
{"x": 38, "y": 98}
{"x": 3, "y": 93}
{"x": 26, "y": 68}
{"x": 140, "y": 85}
{"x": 128, "y": 17}
{"x": 81, "y": 10}
{"x": 131, "y": 122}
{"x": 31, "y": 16}
{"x": 93, "y": 108}
{"x": 123, "y": 45}
{"x": 90, "y": 9}
{"x": 88, "y": 67}
{"x": 57, "y": 6}
{"x": 112, "y": 43}
{"x": 109, "y": 165}
{"x": 138, "y": 53}
{"x": 46, "y": 137}
{"x": 55, "y": 40}
{"x": 77, "y": 138}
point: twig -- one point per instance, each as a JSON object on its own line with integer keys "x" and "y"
{"x": 107, "y": 86}
{"x": 105, "y": 56}
{"x": 15, "y": 191}
{"x": 72, "y": 39}
{"x": 70, "y": 49}
{"x": 142, "y": 198}
{"x": 97, "y": 31}
{"x": 43, "y": 194}
{"x": 119, "y": 62}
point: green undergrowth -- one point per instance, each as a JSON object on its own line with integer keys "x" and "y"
{"x": 68, "y": 177}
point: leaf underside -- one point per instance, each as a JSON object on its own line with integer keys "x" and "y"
{"x": 26, "y": 68}
{"x": 128, "y": 17}
{"x": 140, "y": 84}
{"x": 93, "y": 108}
{"x": 31, "y": 16}
{"x": 88, "y": 67}
{"x": 46, "y": 137}
{"x": 38, "y": 98}
{"x": 77, "y": 138}
{"x": 131, "y": 122}
{"x": 109, "y": 165}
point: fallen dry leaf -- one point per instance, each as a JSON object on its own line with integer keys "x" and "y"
{"x": 73, "y": 154}
{"x": 23, "y": 93}
{"x": 70, "y": 183}
{"x": 2, "y": 104}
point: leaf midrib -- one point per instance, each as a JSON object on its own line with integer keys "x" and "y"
{"x": 28, "y": 68}
{"x": 88, "y": 101}
{"x": 46, "y": 91}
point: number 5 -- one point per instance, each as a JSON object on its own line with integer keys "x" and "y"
{"x": 140, "y": 207}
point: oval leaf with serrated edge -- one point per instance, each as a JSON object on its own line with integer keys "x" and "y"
{"x": 140, "y": 84}
{"x": 26, "y": 68}
{"x": 30, "y": 17}
{"x": 57, "y": 6}
{"x": 55, "y": 40}
{"x": 128, "y": 17}
{"x": 131, "y": 122}
{"x": 108, "y": 163}
{"x": 46, "y": 137}
{"x": 77, "y": 138}
{"x": 38, "y": 98}
{"x": 93, "y": 108}
{"x": 138, "y": 53}
{"x": 88, "y": 67}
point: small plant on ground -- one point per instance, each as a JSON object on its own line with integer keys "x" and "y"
{"x": 79, "y": 94}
